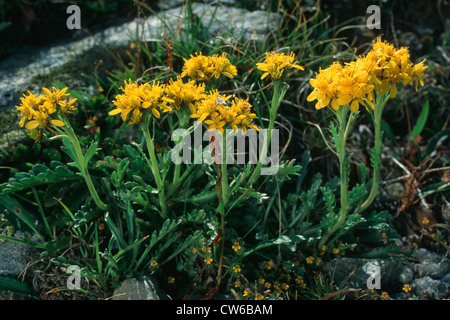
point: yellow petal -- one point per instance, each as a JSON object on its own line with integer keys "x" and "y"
{"x": 32, "y": 124}
{"x": 115, "y": 111}
{"x": 393, "y": 91}
{"x": 354, "y": 106}
{"x": 57, "y": 123}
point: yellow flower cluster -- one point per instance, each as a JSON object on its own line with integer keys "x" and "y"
{"x": 276, "y": 63}
{"x": 183, "y": 93}
{"x": 214, "y": 110}
{"x": 37, "y": 112}
{"x": 389, "y": 66}
{"x": 138, "y": 98}
{"x": 353, "y": 84}
{"x": 204, "y": 68}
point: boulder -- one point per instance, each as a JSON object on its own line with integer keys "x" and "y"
{"x": 142, "y": 288}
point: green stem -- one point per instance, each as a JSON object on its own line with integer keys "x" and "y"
{"x": 279, "y": 91}
{"x": 343, "y": 170}
{"x": 224, "y": 171}
{"x": 154, "y": 167}
{"x": 83, "y": 166}
{"x": 379, "y": 106}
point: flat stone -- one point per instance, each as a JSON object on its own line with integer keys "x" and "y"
{"x": 428, "y": 288}
{"x": 142, "y": 288}
{"x": 355, "y": 272}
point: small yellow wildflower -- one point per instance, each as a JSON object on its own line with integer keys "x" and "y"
{"x": 153, "y": 264}
{"x": 267, "y": 285}
{"x": 208, "y": 260}
{"x": 236, "y": 246}
{"x": 406, "y": 288}
{"x": 309, "y": 260}
{"x": 246, "y": 292}
{"x": 261, "y": 280}
{"x": 300, "y": 281}
{"x": 237, "y": 284}
{"x": 285, "y": 286}
{"x": 206, "y": 249}
{"x": 171, "y": 280}
{"x": 276, "y": 63}
{"x": 269, "y": 265}
{"x": 237, "y": 268}
{"x": 319, "y": 261}
{"x": 259, "y": 296}
{"x": 336, "y": 250}
{"x": 384, "y": 295}
{"x": 425, "y": 221}
{"x": 204, "y": 68}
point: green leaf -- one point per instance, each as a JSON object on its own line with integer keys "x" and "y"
{"x": 15, "y": 286}
{"x": 18, "y": 216}
{"x": 90, "y": 152}
{"x": 387, "y": 129}
{"x": 420, "y": 124}
{"x": 115, "y": 232}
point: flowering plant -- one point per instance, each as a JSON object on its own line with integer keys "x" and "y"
{"x": 369, "y": 81}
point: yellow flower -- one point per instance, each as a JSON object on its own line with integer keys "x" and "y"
{"x": 267, "y": 285}
{"x": 183, "y": 93}
{"x": 67, "y": 106}
{"x": 139, "y": 98}
{"x": 275, "y": 64}
{"x": 259, "y": 296}
{"x": 28, "y": 107}
{"x": 208, "y": 260}
{"x": 309, "y": 260}
{"x": 37, "y": 112}
{"x": 261, "y": 280}
{"x": 153, "y": 264}
{"x": 215, "y": 112}
{"x": 206, "y": 249}
{"x": 269, "y": 264}
{"x": 223, "y": 66}
{"x": 425, "y": 221}
{"x": 41, "y": 120}
{"x": 171, "y": 279}
{"x": 237, "y": 268}
{"x": 203, "y": 68}
{"x": 391, "y": 65}
{"x": 343, "y": 86}
{"x": 236, "y": 246}
{"x": 237, "y": 284}
{"x": 384, "y": 295}
{"x": 300, "y": 281}
{"x": 406, "y": 288}
{"x": 246, "y": 292}
{"x": 326, "y": 87}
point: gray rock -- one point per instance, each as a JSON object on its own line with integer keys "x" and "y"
{"x": 14, "y": 256}
{"x": 355, "y": 272}
{"x": 422, "y": 254}
{"x": 446, "y": 278}
{"x": 430, "y": 264}
{"x": 432, "y": 269}
{"x": 142, "y": 288}
{"x": 428, "y": 288}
